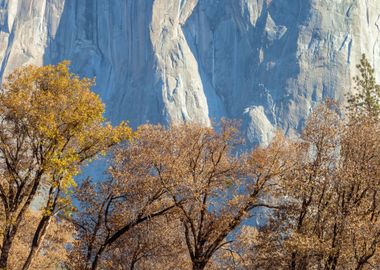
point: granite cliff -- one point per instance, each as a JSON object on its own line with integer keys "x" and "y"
{"x": 267, "y": 62}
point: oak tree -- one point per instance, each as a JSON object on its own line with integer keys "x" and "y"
{"x": 329, "y": 214}
{"x": 187, "y": 180}
{"x": 50, "y": 125}
{"x": 330, "y": 203}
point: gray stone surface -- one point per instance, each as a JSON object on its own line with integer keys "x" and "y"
{"x": 267, "y": 62}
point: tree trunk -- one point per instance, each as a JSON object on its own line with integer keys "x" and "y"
{"x": 9, "y": 234}
{"x": 332, "y": 263}
{"x": 7, "y": 243}
{"x": 199, "y": 265}
{"x": 37, "y": 240}
{"x": 293, "y": 263}
{"x": 95, "y": 262}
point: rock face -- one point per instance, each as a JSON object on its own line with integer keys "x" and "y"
{"x": 267, "y": 62}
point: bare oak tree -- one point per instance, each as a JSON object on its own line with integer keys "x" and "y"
{"x": 330, "y": 203}
{"x": 187, "y": 175}
{"x": 213, "y": 188}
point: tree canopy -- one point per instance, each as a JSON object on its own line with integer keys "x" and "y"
{"x": 184, "y": 196}
{"x": 51, "y": 123}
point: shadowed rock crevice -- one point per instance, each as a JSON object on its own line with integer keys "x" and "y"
{"x": 172, "y": 61}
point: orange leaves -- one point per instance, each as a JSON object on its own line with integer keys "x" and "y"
{"x": 196, "y": 169}
{"x": 329, "y": 199}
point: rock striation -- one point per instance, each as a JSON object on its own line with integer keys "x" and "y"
{"x": 266, "y": 62}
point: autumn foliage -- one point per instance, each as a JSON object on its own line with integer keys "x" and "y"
{"x": 184, "y": 196}
{"x": 50, "y": 124}
{"x": 188, "y": 177}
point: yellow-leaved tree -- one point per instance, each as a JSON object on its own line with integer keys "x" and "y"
{"x": 51, "y": 124}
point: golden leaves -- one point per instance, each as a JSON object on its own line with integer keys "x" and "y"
{"x": 51, "y": 124}
{"x": 61, "y": 114}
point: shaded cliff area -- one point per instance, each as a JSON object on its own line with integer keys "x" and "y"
{"x": 266, "y": 62}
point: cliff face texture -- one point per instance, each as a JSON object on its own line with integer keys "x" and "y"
{"x": 267, "y": 62}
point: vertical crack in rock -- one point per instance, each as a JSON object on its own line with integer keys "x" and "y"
{"x": 266, "y": 62}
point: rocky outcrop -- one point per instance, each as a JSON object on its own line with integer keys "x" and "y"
{"x": 267, "y": 62}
